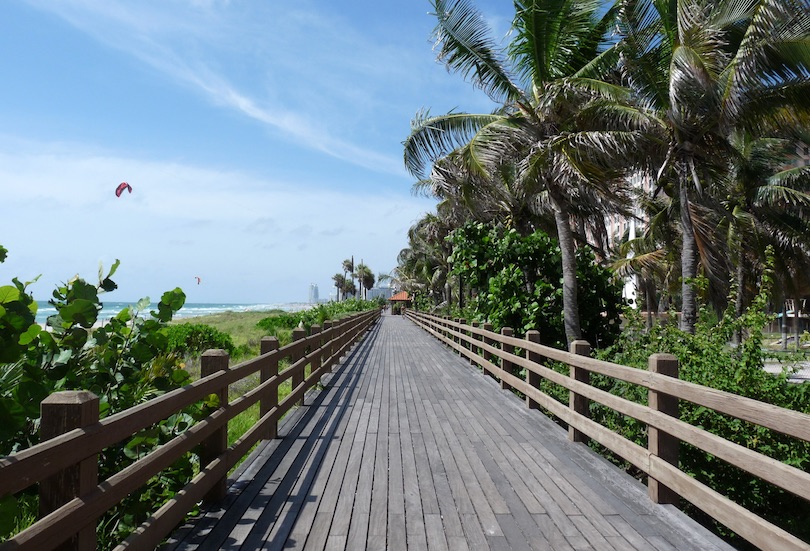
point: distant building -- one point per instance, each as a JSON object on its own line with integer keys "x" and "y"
{"x": 313, "y": 293}
{"x": 384, "y": 292}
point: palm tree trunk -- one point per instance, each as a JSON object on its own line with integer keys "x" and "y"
{"x": 797, "y": 322}
{"x": 739, "y": 302}
{"x": 688, "y": 264}
{"x": 649, "y": 289}
{"x": 569, "y": 271}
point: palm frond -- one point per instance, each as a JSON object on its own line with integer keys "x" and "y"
{"x": 433, "y": 137}
{"x": 464, "y": 44}
{"x": 555, "y": 38}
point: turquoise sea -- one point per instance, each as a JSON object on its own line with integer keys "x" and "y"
{"x": 189, "y": 310}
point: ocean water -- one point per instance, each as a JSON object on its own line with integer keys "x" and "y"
{"x": 189, "y": 310}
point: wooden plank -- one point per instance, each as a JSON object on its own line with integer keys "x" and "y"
{"x": 552, "y": 532}
{"x": 378, "y": 519}
{"x": 359, "y": 526}
{"x": 472, "y": 485}
{"x": 441, "y": 484}
{"x": 267, "y": 509}
{"x": 434, "y": 532}
{"x": 476, "y": 539}
{"x": 634, "y": 540}
{"x": 413, "y": 502}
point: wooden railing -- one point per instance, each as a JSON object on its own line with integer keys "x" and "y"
{"x": 65, "y": 465}
{"x": 666, "y": 482}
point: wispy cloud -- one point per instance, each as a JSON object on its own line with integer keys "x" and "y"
{"x": 247, "y": 60}
{"x": 181, "y": 219}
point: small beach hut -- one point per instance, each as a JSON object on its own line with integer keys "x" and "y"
{"x": 399, "y": 301}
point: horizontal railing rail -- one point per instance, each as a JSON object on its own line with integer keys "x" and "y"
{"x": 65, "y": 466}
{"x": 494, "y": 353}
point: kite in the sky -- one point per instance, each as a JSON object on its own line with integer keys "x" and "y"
{"x": 198, "y": 279}
{"x": 121, "y": 187}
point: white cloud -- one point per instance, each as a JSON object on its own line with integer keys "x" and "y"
{"x": 250, "y": 238}
{"x": 195, "y": 47}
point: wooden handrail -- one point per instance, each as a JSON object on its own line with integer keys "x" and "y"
{"x": 488, "y": 349}
{"x": 53, "y": 456}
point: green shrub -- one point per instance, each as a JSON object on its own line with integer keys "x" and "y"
{"x": 195, "y": 338}
{"x": 124, "y": 362}
{"x": 315, "y": 315}
{"x": 517, "y": 283}
{"x": 707, "y": 359}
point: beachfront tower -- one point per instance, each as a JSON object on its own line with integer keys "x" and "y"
{"x": 313, "y": 293}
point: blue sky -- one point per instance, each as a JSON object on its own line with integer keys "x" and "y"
{"x": 262, "y": 140}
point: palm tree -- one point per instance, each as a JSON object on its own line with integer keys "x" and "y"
{"x": 349, "y": 288}
{"x": 366, "y": 278}
{"x": 699, "y": 70}
{"x": 348, "y": 269}
{"x": 423, "y": 266}
{"x": 534, "y": 128}
{"x": 766, "y": 204}
{"x": 340, "y": 283}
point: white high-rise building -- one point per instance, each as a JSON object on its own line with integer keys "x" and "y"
{"x": 313, "y": 293}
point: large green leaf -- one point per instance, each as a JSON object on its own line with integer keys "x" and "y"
{"x": 8, "y": 294}
{"x": 80, "y": 311}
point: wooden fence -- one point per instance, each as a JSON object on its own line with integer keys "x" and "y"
{"x": 65, "y": 466}
{"x": 666, "y": 482}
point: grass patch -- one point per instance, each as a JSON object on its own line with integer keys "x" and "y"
{"x": 246, "y": 335}
{"x": 241, "y": 326}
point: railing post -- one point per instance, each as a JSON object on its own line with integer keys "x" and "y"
{"x": 327, "y": 344}
{"x": 532, "y": 378}
{"x": 506, "y": 365}
{"x": 461, "y": 342}
{"x": 456, "y": 339}
{"x": 660, "y": 443}
{"x": 316, "y": 361}
{"x": 212, "y": 447}
{"x": 487, "y": 355}
{"x": 473, "y": 348}
{"x": 267, "y": 345}
{"x": 578, "y": 403}
{"x": 297, "y": 378}
{"x": 62, "y": 412}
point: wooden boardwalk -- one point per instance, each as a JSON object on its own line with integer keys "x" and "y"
{"x": 408, "y": 447}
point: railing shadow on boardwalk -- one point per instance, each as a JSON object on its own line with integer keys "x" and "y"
{"x": 253, "y": 486}
{"x": 449, "y": 463}
{"x": 64, "y": 465}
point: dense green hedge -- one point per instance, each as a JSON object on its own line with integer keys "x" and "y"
{"x": 706, "y": 358}
{"x": 195, "y": 338}
{"x": 516, "y": 281}
{"x": 316, "y": 315}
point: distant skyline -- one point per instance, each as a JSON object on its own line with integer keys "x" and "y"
{"x": 262, "y": 140}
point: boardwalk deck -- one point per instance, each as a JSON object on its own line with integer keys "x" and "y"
{"x": 408, "y": 447}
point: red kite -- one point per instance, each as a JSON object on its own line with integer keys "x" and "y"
{"x": 121, "y": 187}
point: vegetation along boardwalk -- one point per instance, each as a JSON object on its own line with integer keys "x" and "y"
{"x": 408, "y": 447}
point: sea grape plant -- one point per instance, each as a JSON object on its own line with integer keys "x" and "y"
{"x": 516, "y": 281}
{"x": 124, "y": 361}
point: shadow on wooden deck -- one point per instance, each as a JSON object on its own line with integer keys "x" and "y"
{"x": 408, "y": 447}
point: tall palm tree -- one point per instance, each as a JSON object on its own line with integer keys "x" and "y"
{"x": 348, "y": 269}
{"x": 340, "y": 283}
{"x": 423, "y": 265}
{"x": 699, "y": 70}
{"x": 534, "y": 126}
{"x": 766, "y": 204}
{"x": 365, "y": 278}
